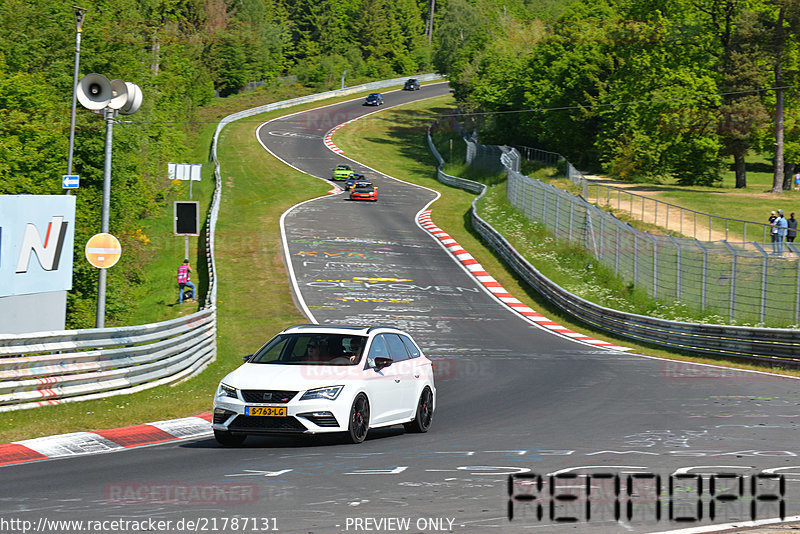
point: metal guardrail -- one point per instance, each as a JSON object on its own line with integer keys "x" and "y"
{"x": 773, "y": 345}
{"x": 46, "y": 368}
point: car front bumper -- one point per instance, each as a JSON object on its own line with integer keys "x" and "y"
{"x": 302, "y": 417}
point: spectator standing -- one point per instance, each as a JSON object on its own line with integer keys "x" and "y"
{"x": 773, "y": 230}
{"x": 791, "y": 231}
{"x": 797, "y": 182}
{"x": 184, "y": 280}
{"x": 782, "y": 225}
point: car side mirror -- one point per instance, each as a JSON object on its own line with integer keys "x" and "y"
{"x": 247, "y": 358}
{"x": 380, "y": 363}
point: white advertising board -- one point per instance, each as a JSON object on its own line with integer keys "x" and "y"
{"x": 37, "y": 234}
{"x": 185, "y": 171}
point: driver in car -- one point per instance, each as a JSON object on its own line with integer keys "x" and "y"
{"x": 317, "y": 351}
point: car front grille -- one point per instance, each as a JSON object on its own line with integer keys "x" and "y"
{"x": 267, "y": 395}
{"x": 272, "y": 424}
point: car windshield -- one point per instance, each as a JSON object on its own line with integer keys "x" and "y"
{"x": 374, "y": 95}
{"x": 309, "y": 348}
{"x": 363, "y": 188}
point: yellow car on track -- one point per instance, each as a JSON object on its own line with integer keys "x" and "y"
{"x": 342, "y": 172}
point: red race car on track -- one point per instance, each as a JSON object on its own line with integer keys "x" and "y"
{"x": 363, "y": 191}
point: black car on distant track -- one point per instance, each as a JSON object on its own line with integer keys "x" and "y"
{"x": 356, "y": 180}
{"x": 411, "y": 85}
{"x": 374, "y": 99}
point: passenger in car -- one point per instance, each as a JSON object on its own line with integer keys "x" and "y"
{"x": 356, "y": 347}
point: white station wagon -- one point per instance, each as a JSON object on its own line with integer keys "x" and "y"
{"x": 313, "y": 379}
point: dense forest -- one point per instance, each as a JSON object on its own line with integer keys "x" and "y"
{"x": 640, "y": 89}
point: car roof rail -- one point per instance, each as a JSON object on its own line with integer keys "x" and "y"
{"x": 301, "y": 326}
{"x": 318, "y": 326}
{"x": 377, "y": 326}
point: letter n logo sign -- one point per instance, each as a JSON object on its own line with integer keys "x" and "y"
{"x": 48, "y": 253}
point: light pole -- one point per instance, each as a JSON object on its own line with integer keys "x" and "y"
{"x": 95, "y": 92}
{"x": 79, "y": 17}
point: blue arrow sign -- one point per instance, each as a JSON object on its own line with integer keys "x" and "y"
{"x": 70, "y": 181}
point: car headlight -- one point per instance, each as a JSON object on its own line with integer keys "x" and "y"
{"x": 225, "y": 390}
{"x": 326, "y": 393}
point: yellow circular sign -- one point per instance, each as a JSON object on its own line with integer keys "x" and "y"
{"x": 103, "y": 250}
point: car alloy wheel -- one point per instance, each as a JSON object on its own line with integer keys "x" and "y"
{"x": 424, "y": 416}
{"x": 229, "y": 439}
{"x": 359, "y": 419}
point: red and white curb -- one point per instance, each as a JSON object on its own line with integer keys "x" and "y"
{"x": 115, "y": 439}
{"x": 328, "y": 140}
{"x": 480, "y": 274}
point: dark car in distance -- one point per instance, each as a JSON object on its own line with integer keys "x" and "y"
{"x": 374, "y": 99}
{"x": 411, "y": 85}
{"x": 356, "y": 180}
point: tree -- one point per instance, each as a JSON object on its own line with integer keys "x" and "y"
{"x": 743, "y": 77}
{"x": 33, "y": 145}
{"x": 782, "y": 18}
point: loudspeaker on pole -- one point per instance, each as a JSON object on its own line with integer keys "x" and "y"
{"x": 120, "y": 91}
{"x": 133, "y": 101}
{"x": 94, "y": 91}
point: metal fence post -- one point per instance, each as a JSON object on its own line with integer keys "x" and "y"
{"x": 571, "y": 216}
{"x": 732, "y": 296}
{"x": 603, "y": 241}
{"x": 704, "y": 276}
{"x": 635, "y": 258}
{"x": 764, "y": 278}
{"x": 631, "y": 205}
{"x": 655, "y": 221}
{"x": 655, "y": 267}
{"x": 678, "y": 267}
{"x": 797, "y": 286}
{"x": 558, "y": 214}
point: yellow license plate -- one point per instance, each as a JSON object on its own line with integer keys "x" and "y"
{"x": 265, "y": 410}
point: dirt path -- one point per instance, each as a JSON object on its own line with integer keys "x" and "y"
{"x": 686, "y": 222}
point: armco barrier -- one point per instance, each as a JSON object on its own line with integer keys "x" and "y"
{"x": 53, "y": 367}
{"x": 777, "y": 346}
{"x": 45, "y": 368}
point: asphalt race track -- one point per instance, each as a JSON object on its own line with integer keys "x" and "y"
{"x": 580, "y": 436}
